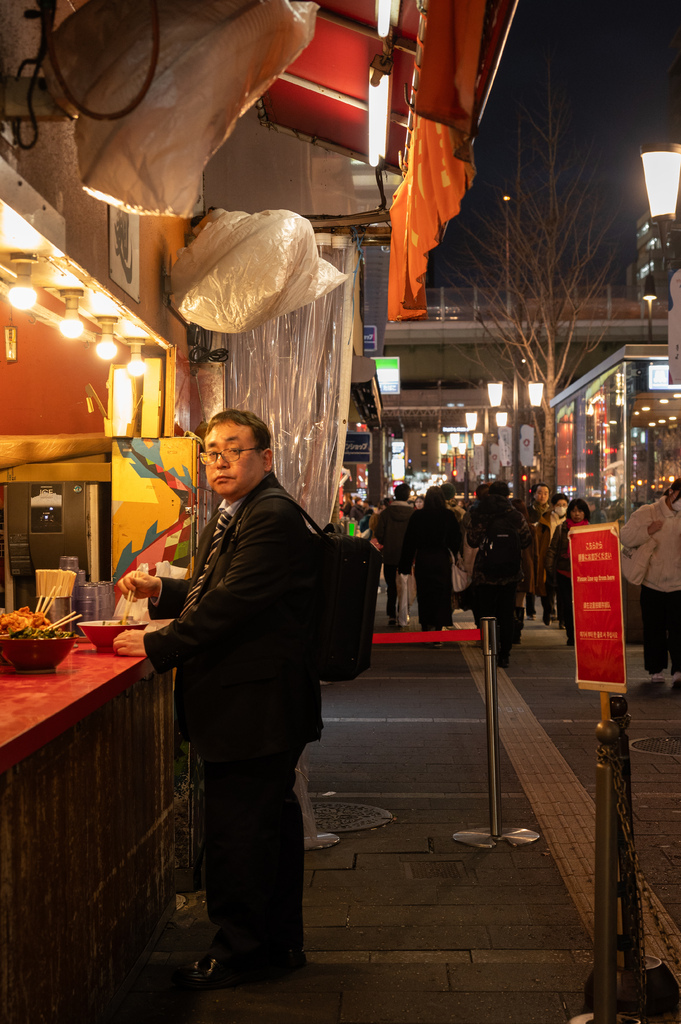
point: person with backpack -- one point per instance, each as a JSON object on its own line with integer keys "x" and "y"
{"x": 557, "y": 561}
{"x": 500, "y": 533}
{"x": 248, "y": 699}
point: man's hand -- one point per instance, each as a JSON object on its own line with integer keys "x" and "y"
{"x": 141, "y": 584}
{"x": 130, "y": 644}
{"x": 655, "y": 526}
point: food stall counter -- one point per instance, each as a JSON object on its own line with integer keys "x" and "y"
{"x": 36, "y": 708}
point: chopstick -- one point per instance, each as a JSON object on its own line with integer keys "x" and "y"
{"x": 47, "y": 602}
{"x": 66, "y": 618}
{"x": 129, "y": 598}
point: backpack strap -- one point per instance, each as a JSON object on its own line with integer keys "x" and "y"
{"x": 274, "y": 492}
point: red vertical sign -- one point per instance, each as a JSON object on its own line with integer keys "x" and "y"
{"x": 597, "y": 602}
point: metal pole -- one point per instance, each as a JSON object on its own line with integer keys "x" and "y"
{"x": 515, "y": 836}
{"x": 605, "y": 898}
{"x": 486, "y": 465}
{"x": 488, "y": 628}
{"x": 516, "y": 439}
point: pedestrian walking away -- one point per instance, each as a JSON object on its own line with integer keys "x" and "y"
{"x": 247, "y": 697}
{"x": 661, "y": 586}
{"x": 431, "y": 540}
{"x": 391, "y": 527}
{"x": 500, "y": 533}
{"x": 526, "y": 585}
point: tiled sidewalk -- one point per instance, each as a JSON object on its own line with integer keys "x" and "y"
{"x": 403, "y": 924}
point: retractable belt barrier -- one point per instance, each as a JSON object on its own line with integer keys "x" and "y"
{"x": 447, "y": 636}
{"x": 488, "y": 634}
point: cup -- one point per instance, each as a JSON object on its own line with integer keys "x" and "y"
{"x": 60, "y": 606}
{"x": 69, "y": 562}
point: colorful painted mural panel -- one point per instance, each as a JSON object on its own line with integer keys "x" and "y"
{"x": 154, "y": 493}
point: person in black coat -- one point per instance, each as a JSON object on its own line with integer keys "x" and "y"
{"x": 432, "y": 536}
{"x": 496, "y": 526}
{"x": 247, "y": 697}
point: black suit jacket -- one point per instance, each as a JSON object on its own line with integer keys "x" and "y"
{"x": 246, "y": 684}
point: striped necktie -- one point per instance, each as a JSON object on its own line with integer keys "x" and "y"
{"x": 193, "y": 595}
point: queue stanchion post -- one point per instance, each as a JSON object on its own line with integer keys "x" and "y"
{"x": 515, "y": 836}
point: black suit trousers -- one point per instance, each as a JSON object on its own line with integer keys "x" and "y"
{"x": 254, "y": 856}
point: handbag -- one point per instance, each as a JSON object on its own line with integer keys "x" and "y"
{"x": 635, "y": 561}
{"x": 461, "y": 579}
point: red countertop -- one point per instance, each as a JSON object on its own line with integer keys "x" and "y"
{"x": 34, "y": 709}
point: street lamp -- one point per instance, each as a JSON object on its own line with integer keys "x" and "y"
{"x": 536, "y": 392}
{"x": 662, "y": 168}
{"x": 495, "y": 390}
{"x": 649, "y": 296}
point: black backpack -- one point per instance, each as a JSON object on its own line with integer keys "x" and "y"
{"x": 347, "y": 588}
{"x": 500, "y": 553}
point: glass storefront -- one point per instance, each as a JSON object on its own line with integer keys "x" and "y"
{"x": 617, "y": 433}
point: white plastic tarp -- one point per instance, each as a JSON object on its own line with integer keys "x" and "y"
{"x": 216, "y": 58}
{"x": 245, "y": 269}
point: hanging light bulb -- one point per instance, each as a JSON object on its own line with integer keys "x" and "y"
{"x": 477, "y": 439}
{"x": 136, "y": 366}
{"x": 22, "y": 295}
{"x": 502, "y": 419}
{"x": 71, "y": 326}
{"x": 471, "y": 420}
{"x": 107, "y": 348}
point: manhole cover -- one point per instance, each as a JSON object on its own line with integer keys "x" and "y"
{"x": 670, "y": 745}
{"x": 349, "y": 817}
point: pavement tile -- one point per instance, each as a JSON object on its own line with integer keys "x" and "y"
{"x": 377, "y": 891}
{"x": 403, "y": 937}
{"x": 339, "y": 857}
{"x": 351, "y": 977}
{"x": 524, "y": 956}
{"x": 479, "y": 895}
{"x": 250, "y": 1004}
{"x": 537, "y": 937}
{"x": 451, "y": 1008}
{"x": 399, "y": 917}
{"x": 549, "y": 976}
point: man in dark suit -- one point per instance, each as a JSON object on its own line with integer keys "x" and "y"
{"x": 247, "y": 697}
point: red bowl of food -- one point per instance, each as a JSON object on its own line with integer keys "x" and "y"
{"x": 103, "y": 633}
{"x": 32, "y": 654}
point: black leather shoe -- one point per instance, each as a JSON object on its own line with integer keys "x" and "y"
{"x": 502, "y": 661}
{"x": 287, "y": 959}
{"x": 208, "y": 973}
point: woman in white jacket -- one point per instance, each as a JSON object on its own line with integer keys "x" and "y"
{"x": 661, "y": 587}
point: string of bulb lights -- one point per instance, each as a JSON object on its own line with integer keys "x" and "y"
{"x": 23, "y": 296}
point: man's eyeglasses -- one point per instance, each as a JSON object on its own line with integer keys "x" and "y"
{"x": 227, "y": 455}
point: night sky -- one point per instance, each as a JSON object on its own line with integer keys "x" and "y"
{"x": 612, "y": 59}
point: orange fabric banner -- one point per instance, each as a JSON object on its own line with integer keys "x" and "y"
{"x": 440, "y": 166}
{"x": 428, "y": 197}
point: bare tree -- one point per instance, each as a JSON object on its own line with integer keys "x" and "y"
{"x": 540, "y": 263}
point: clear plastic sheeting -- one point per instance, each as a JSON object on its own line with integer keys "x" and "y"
{"x": 216, "y": 58}
{"x": 245, "y": 269}
{"x": 294, "y": 372}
